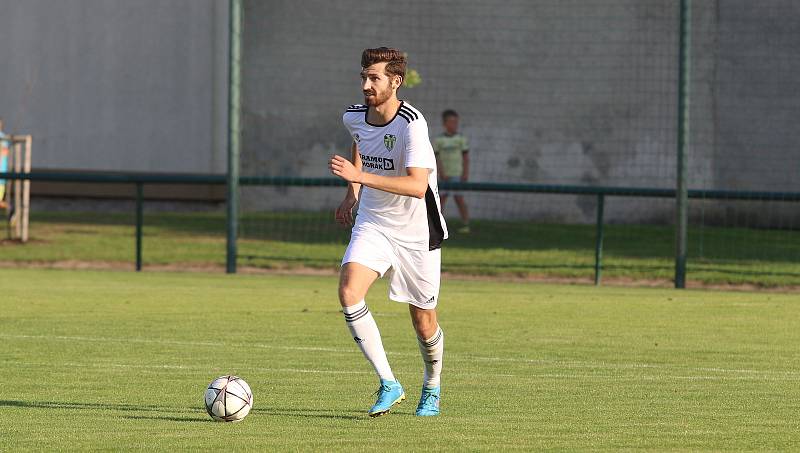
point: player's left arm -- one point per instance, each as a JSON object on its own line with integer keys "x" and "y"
{"x": 414, "y": 184}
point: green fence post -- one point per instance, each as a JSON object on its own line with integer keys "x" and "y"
{"x": 599, "y": 231}
{"x": 682, "y": 189}
{"x": 234, "y": 100}
{"x": 139, "y": 222}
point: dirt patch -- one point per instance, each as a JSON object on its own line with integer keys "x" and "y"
{"x": 302, "y": 270}
{"x": 623, "y": 282}
{"x": 171, "y": 267}
{"x": 67, "y": 264}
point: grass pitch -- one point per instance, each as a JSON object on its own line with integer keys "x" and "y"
{"x": 113, "y": 360}
{"x": 717, "y": 256}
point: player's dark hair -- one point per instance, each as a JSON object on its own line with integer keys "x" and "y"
{"x": 448, "y": 113}
{"x": 394, "y": 59}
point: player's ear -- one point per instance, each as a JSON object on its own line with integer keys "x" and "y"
{"x": 397, "y": 82}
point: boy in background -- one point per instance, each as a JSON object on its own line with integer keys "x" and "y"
{"x": 452, "y": 159}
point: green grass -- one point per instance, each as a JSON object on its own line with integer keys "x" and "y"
{"x": 118, "y": 360}
{"x": 280, "y": 240}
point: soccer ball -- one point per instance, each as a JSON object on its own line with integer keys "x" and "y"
{"x": 228, "y": 399}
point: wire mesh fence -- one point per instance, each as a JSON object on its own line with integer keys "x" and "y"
{"x": 550, "y": 94}
{"x": 745, "y": 108}
{"x": 561, "y": 93}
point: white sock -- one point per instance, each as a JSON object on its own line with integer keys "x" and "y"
{"x": 366, "y": 334}
{"x": 432, "y": 351}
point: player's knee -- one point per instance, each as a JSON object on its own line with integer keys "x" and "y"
{"x": 425, "y": 322}
{"x": 425, "y": 329}
{"x": 348, "y": 295}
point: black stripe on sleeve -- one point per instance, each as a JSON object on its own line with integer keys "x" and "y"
{"x": 409, "y": 112}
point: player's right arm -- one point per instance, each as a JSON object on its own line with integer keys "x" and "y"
{"x": 344, "y": 213}
{"x": 419, "y": 162}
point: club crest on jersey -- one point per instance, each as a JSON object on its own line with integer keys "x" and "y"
{"x": 389, "y": 140}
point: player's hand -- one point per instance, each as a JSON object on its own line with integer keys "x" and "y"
{"x": 344, "y": 213}
{"x": 344, "y": 169}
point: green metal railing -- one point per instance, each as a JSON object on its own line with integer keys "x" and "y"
{"x": 234, "y": 130}
{"x": 682, "y": 180}
{"x": 140, "y": 180}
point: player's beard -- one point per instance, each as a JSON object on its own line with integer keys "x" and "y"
{"x": 378, "y": 97}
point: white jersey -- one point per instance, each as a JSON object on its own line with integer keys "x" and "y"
{"x": 387, "y": 150}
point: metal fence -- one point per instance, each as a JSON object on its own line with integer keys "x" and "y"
{"x": 601, "y": 193}
{"x": 684, "y": 109}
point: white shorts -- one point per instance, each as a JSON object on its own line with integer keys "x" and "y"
{"x": 414, "y": 275}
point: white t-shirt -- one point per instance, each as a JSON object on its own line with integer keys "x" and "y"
{"x": 387, "y": 150}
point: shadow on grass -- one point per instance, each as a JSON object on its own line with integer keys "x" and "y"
{"x": 312, "y": 413}
{"x": 202, "y": 418}
{"x": 164, "y": 411}
{"x": 76, "y": 405}
{"x": 112, "y": 407}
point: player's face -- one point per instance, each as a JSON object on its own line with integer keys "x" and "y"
{"x": 451, "y": 124}
{"x": 377, "y": 86}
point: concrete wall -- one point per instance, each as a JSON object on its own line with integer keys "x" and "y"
{"x": 117, "y": 84}
{"x": 757, "y": 94}
{"x": 549, "y": 92}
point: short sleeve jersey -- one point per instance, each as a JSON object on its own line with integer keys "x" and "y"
{"x": 450, "y": 149}
{"x": 387, "y": 150}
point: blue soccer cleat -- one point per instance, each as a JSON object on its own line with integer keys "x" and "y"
{"x": 429, "y": 402}
{"x": 389, "y": 394}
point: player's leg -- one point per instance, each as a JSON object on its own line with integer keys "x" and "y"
{"x": 431, "y": 343}
{"x": 430, "y": 338}
{"x": 425, "y": 321}
{"x": 416, "y": 280}
{"x": 367, "y": 257}
{"x": 354, "y": 282}
{"x": 443, "y": 199}
{"x": 463, "y": 212}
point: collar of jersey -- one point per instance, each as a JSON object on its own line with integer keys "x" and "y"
{"x": 388, "y": 122}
